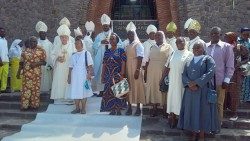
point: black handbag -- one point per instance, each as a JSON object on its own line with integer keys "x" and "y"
{"x": 164, "y": 84}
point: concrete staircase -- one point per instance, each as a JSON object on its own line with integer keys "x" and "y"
{"x": 157, "y": 128}
{"x": 11, "y": 118}
{"x": 153, "y": 128}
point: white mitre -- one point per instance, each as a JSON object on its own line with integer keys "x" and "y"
{"x": 41, "y": 26}
{"x": 65, "y": 21}
{"x": 151, "y": 28}
{"x": 131, "y": 27}
{"x": 78, "y": 32}
{"x": 63, "y": 30}
{"x": 187, "y": 23}
{"x": 105, "y": 19}
{"x": 89, "y": 26}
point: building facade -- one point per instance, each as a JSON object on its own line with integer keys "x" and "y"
{"x": 19, "y": 17}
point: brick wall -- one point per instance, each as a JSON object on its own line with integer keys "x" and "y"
{"x": 19, "y": 17}
{"x": 216, "y": 13}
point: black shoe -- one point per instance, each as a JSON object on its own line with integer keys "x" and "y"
{"x": 112, "y": 112}
{"x": 118, "y": 113}
{"x": 137, "y": 112}
{"x": 75, "y": 111}
{"x": 129, "y": 112}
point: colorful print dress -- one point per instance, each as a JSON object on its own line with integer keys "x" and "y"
{"x": 31, "y": 81}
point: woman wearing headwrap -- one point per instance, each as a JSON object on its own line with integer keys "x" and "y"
{"x": 32, "y": 58}
{"x": 114, "y": 62}
{"x": 240, "y": 57}
{"x": 158, "y": 56}
{"x": 15, "y": 55}
{"x": 197, "y": 114}
{"x": 175, "y": 68}
{"x": 135, "y": 53}
{"x": 245, "y": 41}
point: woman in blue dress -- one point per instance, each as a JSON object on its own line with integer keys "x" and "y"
{"x": 113, "y": 68}
{"x": 197, "y": 114}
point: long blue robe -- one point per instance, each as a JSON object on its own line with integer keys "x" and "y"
{"x": 196, "y": 113}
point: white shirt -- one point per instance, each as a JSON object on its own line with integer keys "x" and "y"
{"x": 172, "y": 42}
{"x": 193, "y": 41}
{"x": 15, "y": 52}
{"x": 139, "y": 48}
{"x": 147, "y": 47}
{"x": 197, "y": 58}
{"x": 4, "y": 50}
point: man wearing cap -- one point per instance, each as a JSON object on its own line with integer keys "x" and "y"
{"x": 4, "y": 60}
{"x": 46, "y": 79}
{"x": 171, "y": 29}
{"x": 193, "y": 33}
{"x": 90, "y": 27}
{"x": 64, "y": 21}
{"x": 60, "y": 58}
{"x": 151, "y": 30}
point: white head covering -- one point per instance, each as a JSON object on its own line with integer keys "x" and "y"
{"x": 105, "y": 19}
{"x": 78, "y": 32}
{"x": 64, "y": 21}
{"x": 151, "y": 28}
{"x": 63, "y": 30}
{"x": 131, "y": 27}
{"x": 15, "y": 43}
{"x": 187, "y": 23}
{"x": 41, "y": 26}
{"x": 164, "y": 37}
{"x": 90, "y": 26}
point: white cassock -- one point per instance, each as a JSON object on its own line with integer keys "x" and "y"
{"x": 192, "y": 42}
{"x": 176, "y": 89}
{"x": 147, "y": 47}
{"x": 46, "y": 79}
{"x": 89, "y": 45}
{"x": 61, "y": 70}
{"x": 172, "y": 42}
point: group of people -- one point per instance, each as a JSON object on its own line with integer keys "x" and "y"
{"x": 76, "y": 68}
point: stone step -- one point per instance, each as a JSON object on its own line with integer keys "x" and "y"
{"x": 240, "y": 123}
{"x": 7, "y": 132}
{"x": 16, "y": 104}
{"x": 15, "y": 113}
{"x": 244, "y": 105}
{"x": 242, "y": 113}
{"x": 224, "y": 135}
{"x": 13, "y": 123}
{"x": 16, "y": 97}
{"x": 154, "y": 130}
